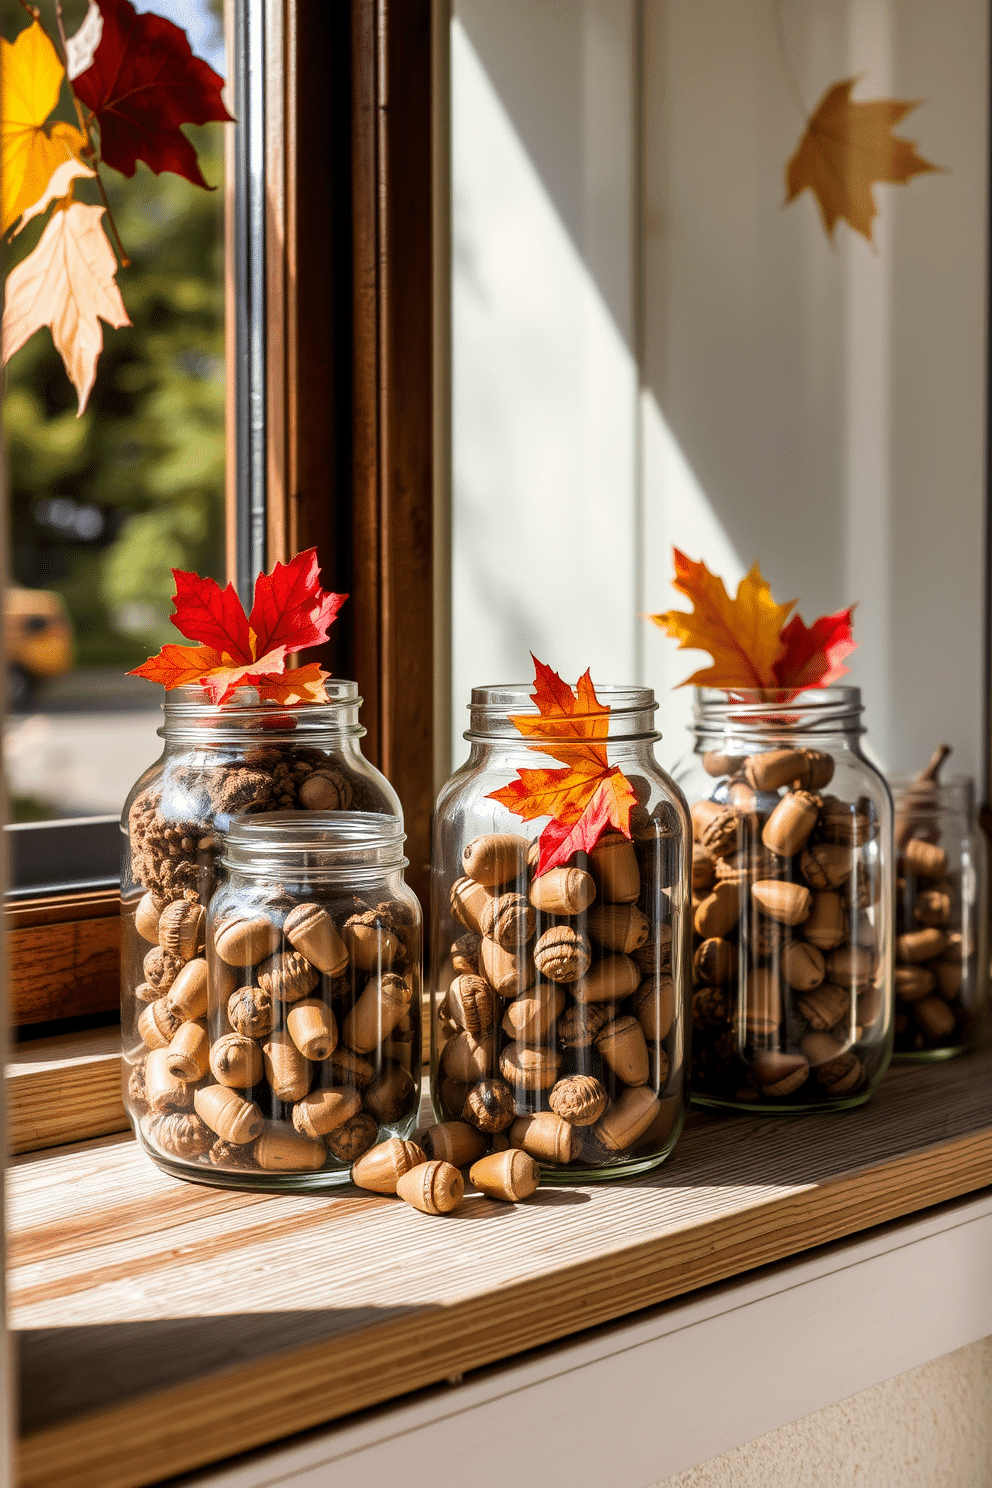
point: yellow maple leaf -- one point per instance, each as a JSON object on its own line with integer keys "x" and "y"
{"x": 30, "y": 80}
{"x": 68, "y": 284}
{"x": 743, "y": 635}
{"x": 846, "y": 148}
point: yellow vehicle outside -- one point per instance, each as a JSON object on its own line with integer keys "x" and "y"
{"x": 37, "y": 639}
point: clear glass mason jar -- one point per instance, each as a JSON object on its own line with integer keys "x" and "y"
{"x": 218, "y": 761}
{"x": 941, "y": 978}
{"x": 560, "y": 1002}
{"x": 792, "y": 1005}
{"x": 308, "y": 1051}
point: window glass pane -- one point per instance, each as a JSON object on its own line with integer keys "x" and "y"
{"x": 102, "y": 506}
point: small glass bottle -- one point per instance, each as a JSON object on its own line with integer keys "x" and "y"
{"x": 560, "y": 1001}
{"x": 941, "y": 977}
{"x": 793, "y": 902}
{"x": 308, "y": 1051}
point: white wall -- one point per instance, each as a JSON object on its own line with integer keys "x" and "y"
{"x": 727, "y": 378}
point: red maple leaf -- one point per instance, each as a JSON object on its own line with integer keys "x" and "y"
{"x": 143, "y": 83}
{"x": 291, "y": 611}
{"x": 814, "y": 654}
{"x": 586, "y": 797}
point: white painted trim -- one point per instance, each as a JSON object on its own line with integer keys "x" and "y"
{"x": 628, "y": 1405}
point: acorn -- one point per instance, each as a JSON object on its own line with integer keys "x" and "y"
{"x": 380, "y": 1169}
{"x": 511, "y": 1175}
{"x": 432, "y": 1187}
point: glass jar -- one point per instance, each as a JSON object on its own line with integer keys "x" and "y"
{"x": 793, "y": 902}
{"x": 941, "y": 978}
{"x": 308, "y": 1050}
{"x": 218, "y": 761}
{"x": 560, "y": 1002}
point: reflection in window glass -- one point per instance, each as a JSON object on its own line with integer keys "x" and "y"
{"x": 102, "y": 507}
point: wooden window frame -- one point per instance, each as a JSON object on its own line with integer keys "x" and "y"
{"x": 332, "y": 412}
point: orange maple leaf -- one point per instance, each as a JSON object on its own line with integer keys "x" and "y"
{"x": 743, "y": 635}
{"x": 846, "y": 148}
{"x": 586, "y": 797}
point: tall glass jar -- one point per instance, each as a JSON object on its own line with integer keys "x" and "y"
{"x": 560, "y": 1001}
{"x": 942, "y": 974}
{"x": 792, "y": 902}
{"x": 241, "y": 757}
{"x": 308, "y": 1050}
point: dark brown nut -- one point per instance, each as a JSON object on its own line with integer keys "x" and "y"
{"x": 628, "y": 1118}
{"x": 181, "y": 1134}
{"x": 164, "y": 1091}
{"x": 187, "y": 997}
{"x": 819, "y": 770}
{"x": 613, "y": 862}
{"x": 654, "y": 957}
{"x": 852, "y": 966}
{"x": 920, "y": 945}
{"x": 326, "y": 790}
{"x": 488, "y": 1105}
{"x": 311, "y": 931}
{"x": 788, "y": 903}
{"x": 381, "y": 1006}
{"x": 925, "y": 859}
{"x": 495, "y": 858}
{"x": 227, "y": 1113}
{"x": 826, "y": 865}
{"x": 160, "y": 969}
{"x": 826, "y": 926}
{"x": 508, "y": 920}
{"x": 913, "y": 983}
{"x": 236, "y": 1061}
{"x": 468, "y": 899}
{"x": 950, "y": 975}
{"x": 472, "y": 1004}
{"x": 788, "y": 828}
{"x": 609, "y": 980}
{"x": 845, "y": 822}
{"x": 716, "y": 763}
{"x": 313, "y": 1028}
{"x": 562, "y": 954}
{"x": 721, "y": 834}
{"x": 622, "y": 1046}
{"x": 618, "y": 927}
{"x": 527, "y": 1068}
{"x": 653, "y": 1006}
{"x": 287, "y": 976}
{"x": 432, "y": 1187}
{"x": 715, "y": 961}
{"x": 146, "y": 917}
{"x": 710, "y": 1009}
{"x": 563, "y": 891}
{"x": 802, "y": 966}
{"x": 453, "y": 1141}
{"x": 531, "y": 1019}
{"x": 776, "y": 767}
{"x": 932, "y": 908}
{"x": 544, "y": 1136}
{"x": 249, "y": 1011}
{"x": 702, "y": 813}
{"x": 934, "y": 1018}
{"x": 762, "y": 1001}
{"x": 747, "y": 865}
{"x": 348, "y": 1141}
{"x": 579, "y": 1100}
{"x": 371, "y": 946}
{"x": 468, "y": 1059}
{"x": 381, "y": 1169}
{"x": 158, "y": 1023}
{"x": 780, "y": 1074}
{"x": 580, "y": 1025}
{"x": 391, "y": 1094}
{"x": 719, "y": 912}
{"x": 281, "y": 1149}
{"x": 320, "y": 1111}
{"x": 229, "y": 1155}
{"x": 825, "y": 1006}
{"x": 465, "y": 954}
{"x": 245, "y": 942}
{"x": 511, "y": 1175}
{"x": 703, "y": 869}
{"x": 835, "y": 1069}
{"x": 287, "y": 1072}
{"x": 345, "y": 1067}
{"x": 181, "y": 929}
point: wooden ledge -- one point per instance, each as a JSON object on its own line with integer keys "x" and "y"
{"x": 142, "y": 1302}
{"x": 64, "y": 1089}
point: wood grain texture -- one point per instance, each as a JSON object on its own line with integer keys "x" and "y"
{"x": 65, "y": 1089}
{"x": 65, "y": 970}
{"x": 251, "y": 1318}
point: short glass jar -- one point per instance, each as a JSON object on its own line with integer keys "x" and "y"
{"x": 793, "y": 902}
{"x": 941, "y": 977}
{"x": 560, "y": 1001}
{"x": 308, "y": 1050}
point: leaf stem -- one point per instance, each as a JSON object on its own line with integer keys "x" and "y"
{"x": 783, "y": 53}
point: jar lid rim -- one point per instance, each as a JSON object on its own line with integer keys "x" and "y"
{"x": 314, "y": 831}
{"x": 496, "y": 697}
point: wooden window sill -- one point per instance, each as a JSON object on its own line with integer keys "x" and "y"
{"x": 142, "y": 1303}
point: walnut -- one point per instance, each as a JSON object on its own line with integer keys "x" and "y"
{"x": 489, "y": 1106}
{"x": 562, "y": 954}
{"x": 507, "y": 919}
{"x": 232, "y": 1155}
{"x": 710, "y": 1009}
{"x": 249, "y": 1011}
{"x": 181, "y": 1134}
{"x": 326, "y": 790}
{"x": 580, "y": 1025}
{"x": 720, "y": 834}
{"x": 181, "y": 929}
{"x": 355, "y": 1136}
{"x": 287, "y": 976}
{"x": 161, "y": 969}
{"x": 136, "y": 1093}
{"x": 580, "y": 1099}
{"x": 465, "y": 954}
